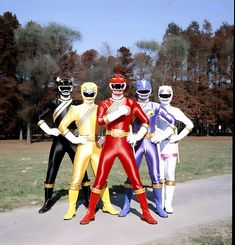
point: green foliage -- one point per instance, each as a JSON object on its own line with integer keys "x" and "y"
{"x": 148, "y": 46}
{"x": 175, "y": 47}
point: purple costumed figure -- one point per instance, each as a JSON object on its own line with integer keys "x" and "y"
{"x": 146, "y": 148}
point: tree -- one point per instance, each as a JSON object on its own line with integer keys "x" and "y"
{"x": 223, "y": 54}
{"x": 148, "y": 47}
{"x": 9, "y": 97}
{"x": 171, "y": 63}
{"x": 41, "y": 51}
{"x": 125, "y": 67}
{"x": 172, "y": 29}
{"x": 143, "y": 66}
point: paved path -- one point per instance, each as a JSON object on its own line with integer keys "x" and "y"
{"x": 196, "y": 202}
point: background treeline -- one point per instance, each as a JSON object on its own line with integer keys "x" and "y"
{"x": 196, "y": 62}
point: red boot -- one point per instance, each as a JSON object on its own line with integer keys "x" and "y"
{"x": 146, "y": 216}
{"x": 90, "y": 215}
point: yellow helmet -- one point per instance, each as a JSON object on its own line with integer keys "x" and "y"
{"x": 89, "y": 91}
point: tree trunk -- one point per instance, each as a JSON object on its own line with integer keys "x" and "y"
{"x": 29, "y": 138}
{"x": 21, "y": 134}
{"x": 207, "y": 129}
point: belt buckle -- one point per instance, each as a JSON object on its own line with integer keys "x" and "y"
{"x": 116, "y": 132}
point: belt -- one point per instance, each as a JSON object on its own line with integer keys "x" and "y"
{"x": 91, "y": 138}
{"x": 117, "y": 133}
{"x": 149, "y": 135}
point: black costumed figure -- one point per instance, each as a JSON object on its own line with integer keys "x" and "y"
{"x": 60, "y": 145}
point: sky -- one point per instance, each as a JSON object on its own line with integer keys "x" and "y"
{"x": 120, "y": 22}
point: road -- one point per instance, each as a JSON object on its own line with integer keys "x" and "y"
{"x": 196, "y": 202}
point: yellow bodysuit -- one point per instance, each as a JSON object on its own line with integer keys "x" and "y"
{"x": 85, "y": 119}
{"x": 84, "y": 116}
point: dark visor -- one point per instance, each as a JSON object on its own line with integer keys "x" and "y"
{"x": 165, "y": 95}
{"x": 117, "y": 85}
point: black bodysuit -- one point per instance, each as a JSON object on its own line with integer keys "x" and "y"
{"x": 60, "y": 144}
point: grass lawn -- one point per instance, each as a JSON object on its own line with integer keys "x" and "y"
{"x": 23, "y": 168}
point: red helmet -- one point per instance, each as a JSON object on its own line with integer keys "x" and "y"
{"x": 117, "y": 78}
{"x": 117, "y": 82}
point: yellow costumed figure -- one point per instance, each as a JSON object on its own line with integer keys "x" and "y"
{"x": 88, "y": 149}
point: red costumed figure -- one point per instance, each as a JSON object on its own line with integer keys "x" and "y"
{"x": 116, "y": 114}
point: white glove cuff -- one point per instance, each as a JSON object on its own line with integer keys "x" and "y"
{"x": 141, "y": 133}
{"x": 42, "y": 124}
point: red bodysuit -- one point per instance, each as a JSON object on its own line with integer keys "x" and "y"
{"x": 116, "y": 144}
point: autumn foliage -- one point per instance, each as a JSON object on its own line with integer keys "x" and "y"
{"x": 196, "y": 62}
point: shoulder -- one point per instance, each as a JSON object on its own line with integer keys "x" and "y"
{"x": 131, "y": 101}
{"x": 104, "y": 102}
{"x": 53, "y": 102}
{"x": 175, "y": 109}
{"x": 155, "y": 105}
{"x": 74, "y": 107}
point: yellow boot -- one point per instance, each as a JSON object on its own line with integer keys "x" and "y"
{"x": 107, "y": 206}
{"x": 71, "y": 212}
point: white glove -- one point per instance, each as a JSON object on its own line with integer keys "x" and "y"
{"x": 100, "y": 140}
{"x": 76, "y": 139}
{"x": 176, "y": 138}
{"x": 54, "y": 131}
{"x": 48, "y": 130}
{"x": 133, "y": 138}
{"x": 162, "y": 135}
{"x": 122, "y": 110}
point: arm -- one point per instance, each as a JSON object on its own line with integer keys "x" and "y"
{"x": 101, "y": 112}
{"x": 104, "y": 118}
{"x": 63, "y": 127}
{"x": 50, "y": 131}
{"x": 165, "y": 115}
{"x": 187, "y": 129}
{"x": 133, "y": 138}
{"x": 43, "y": 125}
{"x": 162, "y": 135}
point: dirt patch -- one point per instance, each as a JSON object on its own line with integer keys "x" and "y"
{"x": 23, "y": 146}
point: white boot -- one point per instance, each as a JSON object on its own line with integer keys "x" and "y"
{"x": 169, "y": 197}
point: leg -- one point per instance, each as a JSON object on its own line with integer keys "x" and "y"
{"x": 71, "y": 150}
{"x": 107, "y": 206}
{"x": 55, "y": 158}
{"x": 105, "y": 163}
{"x": 153, "y": 167}
{"x": 162, "y": 179}
{"x": 128, "y": 187}
{"x": 48, "y": 189}
{"x": 170, "y": 183}
{"x": 157, "y": 194}
{"x": 81, "y": 160}
{"x": 86, "y": 188}
{"x": 105, "y": 196}
{"x": 128, "y": 196}
{"x": 128, "y": 162}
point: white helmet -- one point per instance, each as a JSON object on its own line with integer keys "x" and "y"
{"x": 165, "y": 94}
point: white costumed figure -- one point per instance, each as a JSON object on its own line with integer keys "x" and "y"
{"x": 169, "y": 147}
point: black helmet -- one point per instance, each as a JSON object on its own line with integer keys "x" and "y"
{"x": 65, "y": 85}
